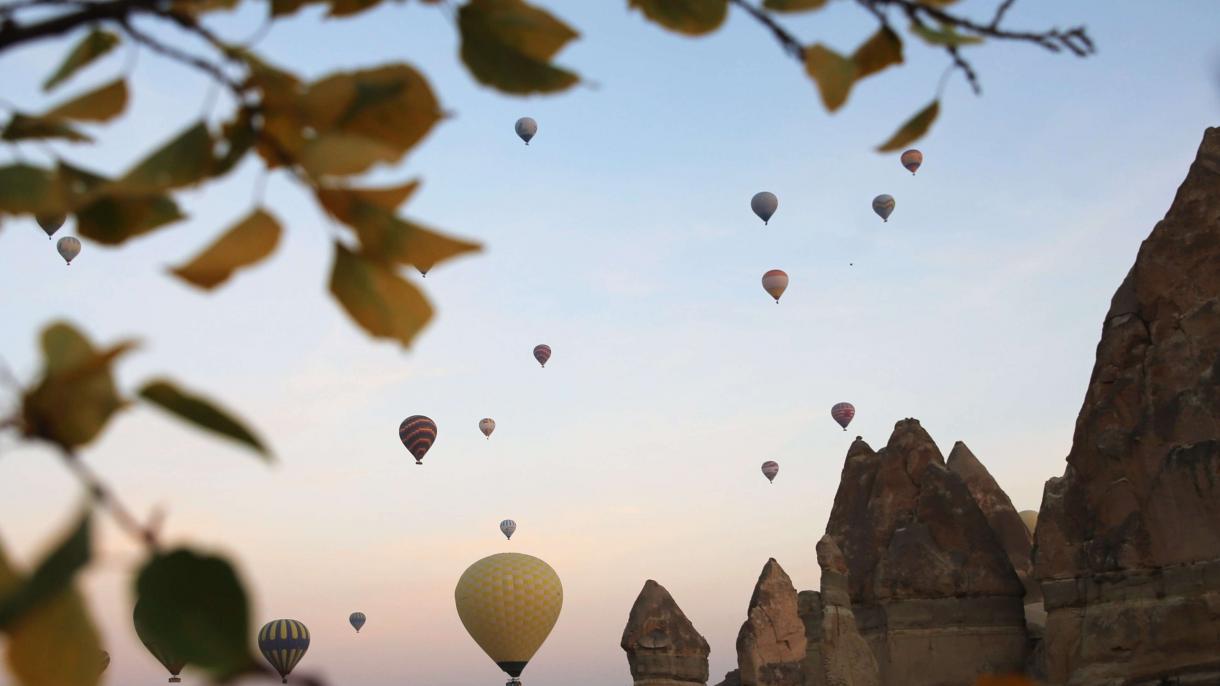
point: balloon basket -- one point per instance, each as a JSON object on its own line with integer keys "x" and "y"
{"x": 513, "y": 682}
{"x": 175, "y": 680}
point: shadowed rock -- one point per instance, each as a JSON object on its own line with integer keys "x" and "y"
{"x": 663, "y": 648}
{"x": 771, "y": 643}
{"x": 835, "y": 654}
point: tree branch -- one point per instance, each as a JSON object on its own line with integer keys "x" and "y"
{"x": 787, "y": 41}
{"x": 105, "y": 498}
{"x": 179, "y": 56}
{"x": 1076, "y": 40}
{"x": 13, "y": 34}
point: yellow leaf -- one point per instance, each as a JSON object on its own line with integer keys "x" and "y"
{"x": 392, "y": 105}
{"x": 26, "y": 189}
{"x": 339, "y": 201}
{"x": 102, "y": 104}
{"x": 833, "y": 73}
{"x": 794, "y": 5}
{"x": 379, "y": 300}
{"x": 945, "y": 36}
{"x": 250, "y": 241}
{"x": 878, "y": 52}
{"x": 691, "y": 17}
{"x": 913, "y": 129}
{"x": 508, "y": 45}
{"x": 90, "y": 48}
{"x": 24, "y": 127}
{"x": 185, "y": 160}
{"x": 341, "y": 154}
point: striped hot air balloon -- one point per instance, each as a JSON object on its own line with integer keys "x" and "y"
{"x": 775, "y": 282}
{"x": 172, "y": 663}
{"x": 283, "y": 642}
{"x": 357, "y": 620}
{"x": 542, "y": 353}
{"x": 68, "y": 248}
{"x": 842, "y": 413}
{"x": 417, "y": 433}
{"x": 911, "y": 159}
{"x": 769, "y": 469}
{"x": 487, "y": 425}
{"x": 883, "y": 205}
{"x": 507, "y": 527}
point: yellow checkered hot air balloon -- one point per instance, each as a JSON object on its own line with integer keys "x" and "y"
{"x": 509, "y": 603}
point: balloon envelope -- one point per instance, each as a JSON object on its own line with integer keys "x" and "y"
{"x": 883, "y": 205}
{"x": 172, "y": 663}
{"x": 769, "y": 469}
{"x": 417, "y": 434}
{"x": 507, "y": 527}
{"x": 764, "y": 205}
{"x": 775, "y": 282}
{"x": 911, "y": 159}
{"x": 542, "y": 353}
{"x": 487, "y": 425}
{"x": 68, "y": 248}
{"x": 283, "y": 642}
{"x": 50, "y": 223}
{"x": 526, "y": 127}
{"x": 842, "y": 413}
{"x": 509, "y": 603}
{"x": 357, "y": 620}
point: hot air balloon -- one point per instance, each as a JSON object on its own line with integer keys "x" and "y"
{"x": 526, "y": 127}
{"x": 171, "y": 662}
{"x": 68, "y": 248}
{"x": 417, "y": 433}
{"x": 357, "y": 620}
{"x": 105, "y": 661}
{"x": 509, "y": 603}
{"x": 842, "y": 413}
{"x": 507, "y": 527}
{"x": 883, "y": 205}
{"x": 487, "y": 425}
{"x": 764, "y": 205}
{"x": 775, "y": 282}
{"x": 769, "y": 469}
{"x": 1030, "y": 517}
{"x": 50, "y": 223}
{"x": 911, "y": 159}
{"x": 283, "y": 642}
{"x": 542, "y": 353}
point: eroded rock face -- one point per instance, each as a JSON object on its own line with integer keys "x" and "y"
{"x": 663, "y": 648}
{"x": 835, "y": 653}
{"x": 1003, "y": 518}
{"x": 771, "y": 643}
{"x": 1128, "y": 539}
{"x": 933, "y": 591}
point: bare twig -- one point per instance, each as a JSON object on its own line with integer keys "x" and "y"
{"x": 1075, "y": 40}
{"x": 791, "y": 44}
{"x": 106, "y": 499}
{"x": 1000, "y": 12}
{"x": 13, "y": 34}
{"x": 178, "y": 55}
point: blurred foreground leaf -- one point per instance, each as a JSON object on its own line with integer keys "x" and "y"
{"x": 248, "y": 242}
{"x": 200, "y": 412}
{"x": 913, "y": 129}
{"x": 377, "y": 298}
{"x": 94, "y": 45}
{"x": 53, "y": 576}
{"x": 691, "y": 17}
{"x": 508, "y": 45}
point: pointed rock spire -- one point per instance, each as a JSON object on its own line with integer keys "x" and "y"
{"x": 771, "y": 643}
{"x": 663, "y": 648}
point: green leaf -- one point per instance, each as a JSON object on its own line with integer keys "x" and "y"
{"x": 199, "y": 411}
{"x": 237, "y": 137}
{"x": 113, "y": 219}
{"x": 913, "y": 129}
{"x": 52, "y": 577}
{"x": 878, "y": 52}
{"x": 25, "y": 127}
{"x": 193, "y": 606}
{"x": 794, "y": 5}
{"x": 26, "y": 189}
{"x": 508, "y": 45}
{"x": 945, "y": 36}
{"x": 833, "y": 73}
{"x": 184, "y": 160}
{"x": 102, "y": 104}
{"x": 247, "y": 243}
{"x": 378, "y": 299}
{"x": 91, "y": 47}
{"x": 691, "y": 17}
{"x": 76, "y": 396}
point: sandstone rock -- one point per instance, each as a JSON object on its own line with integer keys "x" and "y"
{"x": 663, "y": 648}
{"x": 1008, "y": 526}
{"x": 771, "y": 643}
{"x": 835, "y": 654}
{"x": 1128, "y": 539}
{"x": 732, "y": 678}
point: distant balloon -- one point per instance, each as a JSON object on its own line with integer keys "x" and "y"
{"x": 911, "y": 159}
{"x": 842, "y": 413}
{"x": 50, "y": 223}
{"x": 68, "y": 248}
{"x": 509, "y": 603}
{"x": 526, "y": 127}
{"x": 775, "y": 282}
{"x": 1030, "y": 517}
{"x": 283, "y": 642}
{"x": 357, "y": 620}
{"x": 487, "y": 425}
{"x": 542, "y": 353}
{"x": 172, "y": 663}
{"x": 764, "y": 205}
{"x": 507, "y": 527}
{"x": 883, "y": 205}
{"x": 105, "y": 661}
{"x": 417, "y": 433}
{"x": 769, "y": 469}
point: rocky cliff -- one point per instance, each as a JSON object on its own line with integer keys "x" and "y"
{"x": 662, "y": 646}
{"x": 835, "y": 653}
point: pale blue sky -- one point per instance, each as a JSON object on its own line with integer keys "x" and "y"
{"x": 622, "y": 237}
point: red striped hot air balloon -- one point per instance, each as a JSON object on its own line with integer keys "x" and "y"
{"x": 911, "y": 159}
{"x": 417, "y": 433}
{"x": 542, "y": 353}
{"x": 842, "y": 413}
{"x": 775, "y": 282}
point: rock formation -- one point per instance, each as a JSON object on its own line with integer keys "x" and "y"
{"x": 771, "y": 643}
{"x": 1011, "y": 531}
{"x": 663, "y": 648}
{"x": 932, "y": 588}
{"x": 1128, "y": 539}
{"x": 835, "y": 654}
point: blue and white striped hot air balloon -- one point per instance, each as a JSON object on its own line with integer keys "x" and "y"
{"x": 507, "y": 527}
